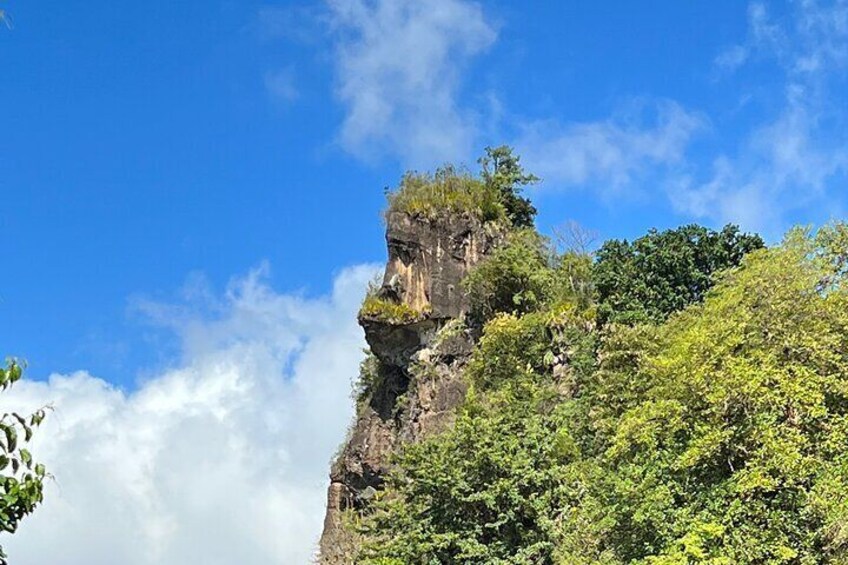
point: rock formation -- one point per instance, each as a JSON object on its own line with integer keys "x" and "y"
{"x": 414, "y": 380}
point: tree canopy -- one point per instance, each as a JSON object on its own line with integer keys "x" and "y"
{"x": 662, "y": 272}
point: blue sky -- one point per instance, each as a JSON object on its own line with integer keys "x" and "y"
{"x": 142, "y": 144}
{"x": 169, "y": 169}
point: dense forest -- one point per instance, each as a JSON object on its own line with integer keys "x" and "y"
{"x": 680, "y": 398}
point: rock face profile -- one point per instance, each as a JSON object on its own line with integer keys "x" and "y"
{"x": 411, "y": 383}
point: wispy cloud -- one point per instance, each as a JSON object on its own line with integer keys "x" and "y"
{"x": 222, "y": 459}
{"x": 399, "y": 67}
{"x": 281, "y": 84}
{"x": 763, "y": 36}
{"x": 608, "y": 154}
{"x": 793, "y": 158}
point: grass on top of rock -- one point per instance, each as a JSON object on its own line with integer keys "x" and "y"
{"x": 494, "y": 194}
{"x": 448, "y": 189}
{"x": 383, "y": 310}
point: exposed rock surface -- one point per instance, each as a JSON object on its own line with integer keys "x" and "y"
{"x": 417, "y": 381}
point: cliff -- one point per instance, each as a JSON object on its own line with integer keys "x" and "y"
{"x": 412, "y": 382}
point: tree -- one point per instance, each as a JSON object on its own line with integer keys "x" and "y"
{"x": 21, "y": 478}
{"x": 571, "y": 237}
{"x": 663, "y": 272}
{"x": 503, "y": 171}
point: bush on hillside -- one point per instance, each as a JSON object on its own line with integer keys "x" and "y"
{"x": 516, "y": 278}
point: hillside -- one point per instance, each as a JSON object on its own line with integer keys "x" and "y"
{"x": 681, "y": 398}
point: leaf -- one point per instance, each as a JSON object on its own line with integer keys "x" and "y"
{"x": 23, "y": 423}
{"x": 11, "y": 438}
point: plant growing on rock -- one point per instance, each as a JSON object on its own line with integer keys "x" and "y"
{"x": 448, "y": 190}
{"x": 389, "y": 311}
{"x": 516, "y": 278}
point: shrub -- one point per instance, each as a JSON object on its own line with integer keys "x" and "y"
{"x": 516, "y": 278}
{"x": 574, "y": 281}
{"x": 483, "y": 492}
{"x": 369, "y": 375}
{"x": 510, "y": 348}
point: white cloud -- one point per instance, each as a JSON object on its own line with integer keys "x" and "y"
{"x": 220, "y": 460}
{"x": 763, "y": 36}
{"x": 399, "y": 69}
{"x": 793, "y": 159}
{"x": 732, "y": 58}
{"x": 281, "y": 84}
{"x": 608, "y": 153}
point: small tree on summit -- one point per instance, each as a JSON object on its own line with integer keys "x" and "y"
{"x": 502, "y": 170}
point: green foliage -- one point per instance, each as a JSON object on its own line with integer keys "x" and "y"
{"x": 493, "y": 196}
{"x": 447, "y": 190}
{"x": 488, "y": 490}
{"x": 389, "y": 311}
{"x": 662, "y": 272}
{"x": 730, "y": 447}
{"x": 502, "y": 171}
{"x": 516, "y": 278}
{"x": 21, "y": 478}
{"x": 369, "y": 376}
{"x": 575, "y": 280}
{"x": 482, "y": 493}
{"x": 714, "y": 435}
{"x": 511, "y": 348}
{"x": 525, "y": 275}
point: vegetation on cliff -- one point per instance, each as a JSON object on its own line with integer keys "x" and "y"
{"x": 493, "y": 195}
{"x": 679, "y": 399}
{"x": 382, "y": 309}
